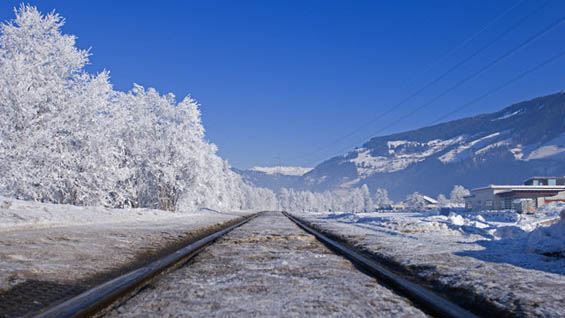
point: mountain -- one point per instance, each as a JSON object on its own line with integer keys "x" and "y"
{"x": 287, "y": 171}
{"x": 273, "y": 178}
{"x": 505, "y": 147}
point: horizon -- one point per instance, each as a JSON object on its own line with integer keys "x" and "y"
{"x": 117, "y": 197}
{"x": 282, "y": 84}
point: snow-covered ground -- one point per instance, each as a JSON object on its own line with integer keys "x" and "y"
{"x": 509, "y": 261}
{"x": 64, "y": 243}
{"x": 22, "y": 215}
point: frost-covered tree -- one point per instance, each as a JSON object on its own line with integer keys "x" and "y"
{"x": 44, "y": 95}
{"x": 443, "y": 201}
{"x": 68, "y": 137}
{"x": 159, "y": 148}
{"x": 381, "y": 197}
{"x": 351, "y": 200}
{"x": 368, "y": 205}
{"x": 458, "y": 194}
{"x": 415, "y": 201}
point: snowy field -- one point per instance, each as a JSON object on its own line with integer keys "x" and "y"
{"x": 510, "y": 261}
{"x": 64, "y": 243}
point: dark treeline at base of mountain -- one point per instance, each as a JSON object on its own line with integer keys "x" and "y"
{"x": 505, "y": 147}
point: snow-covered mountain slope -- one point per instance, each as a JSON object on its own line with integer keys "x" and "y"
{"x": 273, "y": 178}
{"x": 508, "y": 146}
{"x": 287, "y": 171}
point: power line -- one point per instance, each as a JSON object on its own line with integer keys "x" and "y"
{"x": 504, "y": 85}
{"x": 473, "y": 75}
{"x": 472, "y": 37}
{"x": 434, "y": 81}
{"x": 482, "y": 70}
{"x": 490, "y": 92}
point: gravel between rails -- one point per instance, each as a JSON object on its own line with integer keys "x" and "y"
{"x": 266, "y": 268}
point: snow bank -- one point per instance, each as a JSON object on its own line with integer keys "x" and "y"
{"x": 548, "y": 240}
{"x": 508, "y": 261}
{"x": 541, "y": 233}
{"x": 19, "y": 215}
{"x": 532, "y": 232}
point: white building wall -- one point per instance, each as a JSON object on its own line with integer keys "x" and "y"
{"x": 487, "y": 199}
{"x": 559, "y": 197}
{"x": 483, "y": 199}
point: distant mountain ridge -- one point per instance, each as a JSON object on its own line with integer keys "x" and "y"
{"x": 287, "y": 171}
{"x": 274, "y": 178}
{"x": 507, "y": 146}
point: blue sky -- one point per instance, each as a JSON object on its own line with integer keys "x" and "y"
{"x": 284, "y": 81}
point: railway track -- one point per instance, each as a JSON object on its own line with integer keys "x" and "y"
{"x": 427, "y": 299}
{"x": 262, "y": 266}
{"x": 99, "y": 298}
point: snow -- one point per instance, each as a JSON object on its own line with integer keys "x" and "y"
{"x": 456, "y": 219}
{"x": 73, "y": 139}
{"x": 402, "y": 153}
{"x": 508, "y": 115}
{"x": 367, "y": 164}
{"x": 551, "y": 148}
{"x": 268, "y": 267}
{"x": 22, "y": 215}
{"x": 492, "y": 146}
{"x": 456, "y": 153}
{"x": 468, "y": 251}
{"x": 545, "y": 151}
{"x": 66, "y": 244}
{"x": 548, "y": 240}
{"x": 395, "y": 143}
{"x": 355, "y": 199}
{"x": 284, "y": 170}
{"x": 517, "y": 152}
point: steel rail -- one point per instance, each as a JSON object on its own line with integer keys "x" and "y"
{"x": 428, "y": 300}
{"x": 102, "y": 296}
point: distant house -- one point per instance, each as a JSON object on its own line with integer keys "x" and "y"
{"x": 417, "y": 201}
{"x": 398, "y": 206}
{"x": 540, "y": 190}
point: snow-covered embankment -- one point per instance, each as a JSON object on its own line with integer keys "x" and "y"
{"x": 500, "y": 261}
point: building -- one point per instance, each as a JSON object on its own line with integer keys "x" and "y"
{"x": 431, "y": 203}
{"x": 547, "y": 181}
{"x": 417, "y": 201}
{"x": 540, "y": 190}
{"x": 398, "y": 206}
